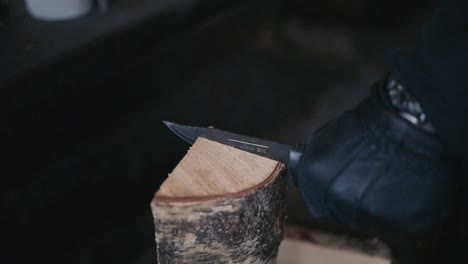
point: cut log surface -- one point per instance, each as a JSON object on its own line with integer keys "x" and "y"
{"x": 220, "y": 205}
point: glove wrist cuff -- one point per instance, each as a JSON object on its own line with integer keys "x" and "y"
{"x": 405, "y": 105}
{"x": 383, "y": 120}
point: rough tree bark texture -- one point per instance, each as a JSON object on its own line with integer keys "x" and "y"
{"x": 242, "y": 227}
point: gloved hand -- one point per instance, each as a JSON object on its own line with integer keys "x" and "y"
{"x": 371, "y": 170}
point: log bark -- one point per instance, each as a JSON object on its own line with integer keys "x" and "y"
{"x": 239, "y": 223}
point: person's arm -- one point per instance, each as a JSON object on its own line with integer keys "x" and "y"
{"x": 376, "y": 172}
{"x": 436, "y": 73}
{"x": 372, "y": 166}
{"x": 373, "y": 169}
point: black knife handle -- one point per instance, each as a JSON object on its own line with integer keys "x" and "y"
{"x": 295, "y": 158}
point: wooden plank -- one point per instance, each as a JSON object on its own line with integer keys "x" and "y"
{"x": 310, "y": 245}
{"x": 302, "y": 252}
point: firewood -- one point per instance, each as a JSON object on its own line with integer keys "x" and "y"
{"x": 220, "y": 205}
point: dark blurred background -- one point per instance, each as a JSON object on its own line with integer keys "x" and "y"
{"x": 82, "y": 104}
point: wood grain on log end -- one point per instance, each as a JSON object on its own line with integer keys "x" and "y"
{"x": 220, "y": 205}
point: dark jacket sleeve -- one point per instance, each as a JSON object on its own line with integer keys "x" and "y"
{"x": 436, "y": 73}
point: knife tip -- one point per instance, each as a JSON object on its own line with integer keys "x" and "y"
{"x": 167, "y": 123}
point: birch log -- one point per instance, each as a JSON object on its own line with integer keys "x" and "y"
{"x": 220, "y": 205}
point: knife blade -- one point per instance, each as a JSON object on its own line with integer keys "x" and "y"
{"x": 285, "y": 153}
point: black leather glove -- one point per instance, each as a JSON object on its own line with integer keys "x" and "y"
{"x": 373, "y": 171}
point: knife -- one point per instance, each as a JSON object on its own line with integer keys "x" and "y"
{"x": 290, "y": 155}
